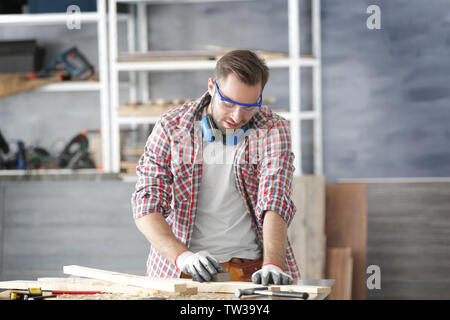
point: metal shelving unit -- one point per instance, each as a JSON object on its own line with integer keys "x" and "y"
{"x": 139, "y": 85}
{"x": 101, "y": 86}
{"x": 47, "y": 18}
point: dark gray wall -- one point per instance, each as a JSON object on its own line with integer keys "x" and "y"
{"x": 409, "y": 239}
{"x": 45, "y": 225}
{"x": 386, "y": 92}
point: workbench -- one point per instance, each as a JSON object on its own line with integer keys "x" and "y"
{"x": 115, "y": 291}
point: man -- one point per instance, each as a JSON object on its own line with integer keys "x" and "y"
{"x": 219, "y": 198}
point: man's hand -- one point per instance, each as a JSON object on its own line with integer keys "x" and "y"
{"x": 201, "y": 265}
{"x": 271, "y": 274}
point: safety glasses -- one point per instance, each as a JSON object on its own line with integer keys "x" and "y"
{"x": 248, "y": 107}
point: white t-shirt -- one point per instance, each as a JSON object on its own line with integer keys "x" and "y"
{"x": 222, "y": 226}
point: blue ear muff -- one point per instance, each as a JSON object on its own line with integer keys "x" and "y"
{"x": 234, "y": 139}
{"x": 208, "y": 126}
{"x": 210, "y": 130}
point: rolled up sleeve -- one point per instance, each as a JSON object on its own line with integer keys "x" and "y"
{"x": 153, "y": 188}
{"x": 276, "y": 173}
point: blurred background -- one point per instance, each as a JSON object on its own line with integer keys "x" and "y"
{"x": 364, "y": 84}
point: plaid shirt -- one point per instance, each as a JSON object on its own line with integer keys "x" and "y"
{"x": 170, "y": 169}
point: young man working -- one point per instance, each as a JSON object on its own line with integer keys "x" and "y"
{"x": 203, "y": 205}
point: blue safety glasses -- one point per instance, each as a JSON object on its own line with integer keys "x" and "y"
{"x": 222, "y": 98}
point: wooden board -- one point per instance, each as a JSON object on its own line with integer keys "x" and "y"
{"x": 213, "y": 53}
{"x": 144, "y": 111}
{"x": 12, "y": 83}
{"x": 231, "y": 286}
{"x": 194, "y": 291}
{"x": 307, "y": 230}
{"x": 84, "y": 284}
{"x": 127, "y": 279}
{"x": 339, "y": 267}
{"x": 75, "y": 284}
{"x": 109, "y": 289}
{"x": 179, "y": 285}
{"x": 346, "y": 226}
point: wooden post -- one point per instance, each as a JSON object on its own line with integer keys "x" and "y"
{"x": 346, "y": 226}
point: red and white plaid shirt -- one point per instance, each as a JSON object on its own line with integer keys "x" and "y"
{"x": 170, "y": 170}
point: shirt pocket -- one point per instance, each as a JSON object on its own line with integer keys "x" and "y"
{"x": 182, "y": 177}
{"x": 250, "y": 177}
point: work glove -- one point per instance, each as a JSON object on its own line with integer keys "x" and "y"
{"x": 201, "y": 265}
{"x": 271, "y": 274}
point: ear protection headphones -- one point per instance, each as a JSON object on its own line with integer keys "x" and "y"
{"x": 211, "y": 132}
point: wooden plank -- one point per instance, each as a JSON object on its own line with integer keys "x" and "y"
{"x": 346, "y": 226}
{"x": 307, "y": 230}
{"x": 179, "y": 285}
{"x": 20, "y": 284}
{"x": 339, "y": 267}
{"x": 195, "y": 290}
{"x": 126, "y": 279}
{"x": 298, "y": 288}
{"x": 12, "y": 83}
{"x": 84, "y": 284}
{"x": 2, "y": 222}
{"x": 231, "y": 286}
{"x": 73, "y": 284}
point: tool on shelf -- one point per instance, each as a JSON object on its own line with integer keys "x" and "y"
{"x": 76, "y": 153}
{"x": 70, "y": 63}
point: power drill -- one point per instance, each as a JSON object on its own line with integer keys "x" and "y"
{"x": 70, "y": 63}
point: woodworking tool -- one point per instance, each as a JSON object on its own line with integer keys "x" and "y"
{"x": 263, "y": 291}
{"x": 317, "y": 283}
{"x": 76, "y": 292}
{"x": 18, "y": 296}
{"x": 221, "y": 277}
{"x": 42, "y": 297}
{"x": 71, "y": 61}
{"x": 75, "y": 154}
{"x": 32, "y": 294}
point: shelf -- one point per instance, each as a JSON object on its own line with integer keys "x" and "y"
{"x": 55, "y": 175}
{"x": 175, "y": 1}
{"x": 124, "y": 120}
{"x": 99, "y": 19}
{"x": 76, "y": 86}
{"x": 140, "y": 60}
{"x": 70, "y": 86}
{"x": 177, "y": 65}
{"x": 395, "y": 180}
{"x": 45, "y": 18}
{"x": 137, "y": 120}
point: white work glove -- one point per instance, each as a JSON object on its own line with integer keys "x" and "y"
{"x": 271, "y": 274}
{"x": 201, "y": 265}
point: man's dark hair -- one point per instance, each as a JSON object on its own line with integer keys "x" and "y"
{"x": 245, "y": 64}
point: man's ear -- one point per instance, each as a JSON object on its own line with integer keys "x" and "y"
{"x": 211, "y": 87}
